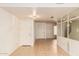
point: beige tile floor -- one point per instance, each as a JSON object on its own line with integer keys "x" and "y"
{"x": 40, "y": 48}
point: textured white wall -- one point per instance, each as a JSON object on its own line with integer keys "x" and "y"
{"x": 14, "y": 32}
{"x": 26, "y": 31}
{"x": 63, "y": 43}
{"x": 74, "y": 47}
{"x": 8, "y": 32}
{"x": 44, "y": 30}
{"x": 40, "y": 29}
{"x": 69, "y": 45}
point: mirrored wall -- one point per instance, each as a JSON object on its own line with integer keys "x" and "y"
{"x": 74, "y": 33}
{"x": 64, "y": 29}
{"x": 59, "y": 27}
{"x": 68, "y": 27}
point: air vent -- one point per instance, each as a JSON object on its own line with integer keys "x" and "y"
{"x": 26, "y": 46}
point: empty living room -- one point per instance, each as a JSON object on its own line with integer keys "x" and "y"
{"x": 39, "y": 29}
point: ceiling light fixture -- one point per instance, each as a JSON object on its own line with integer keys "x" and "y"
{"x": 34, "y": 14}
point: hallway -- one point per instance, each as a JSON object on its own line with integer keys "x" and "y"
{"x": 41, "y": 48}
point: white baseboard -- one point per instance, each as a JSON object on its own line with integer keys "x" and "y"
{"x": 3, "y": 54}
{"x": 13, "y": 50}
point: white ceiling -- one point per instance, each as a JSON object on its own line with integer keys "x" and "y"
{"x": 39, "y": 4}
{"x": 44, "y": 12}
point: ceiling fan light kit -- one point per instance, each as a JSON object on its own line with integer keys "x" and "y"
{"x": 34, "y": 16}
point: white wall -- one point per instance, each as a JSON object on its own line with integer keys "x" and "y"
{"x": 44, "y": 30}
{"x": 74, "y": 47}
{"x": 49, "y": 30}
{"x": 8, "y": 32}
{"x": 26, "y": 31}
{"x": 14, "y": 32}
{"x": 63, "y": 43}
{"x": 69, "y": 45}
{"x": 40, "y": 29}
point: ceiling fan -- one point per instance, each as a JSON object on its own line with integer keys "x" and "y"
{"x": 34, "y": 14}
